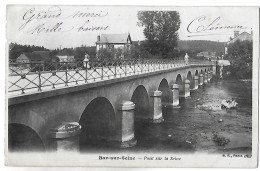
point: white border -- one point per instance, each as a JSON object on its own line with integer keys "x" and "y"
{"x": 100, "y": 2}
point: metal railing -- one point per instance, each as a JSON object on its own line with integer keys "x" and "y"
{"x": 39, "y": 76}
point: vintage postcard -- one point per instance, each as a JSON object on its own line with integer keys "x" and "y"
{"x": 132, "y": 86}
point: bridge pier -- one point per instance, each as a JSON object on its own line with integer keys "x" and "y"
{"x": 174, "y": 103}
{"x": 125, "y": 121}
{"x": 65, "y": 137}
{"x": 206, "y": 78}
{"x": 186, "y": 92}
{"x": 195, "y": 83}
{"x": 201, "y": 80}
{"x": 156, "y": 107}
{"x": 214, "y": 68}
{"x": 209, "y": 76}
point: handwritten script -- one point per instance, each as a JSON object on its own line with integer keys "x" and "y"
{"x": 54, "y": 20}
{"x": 203, "y": 26}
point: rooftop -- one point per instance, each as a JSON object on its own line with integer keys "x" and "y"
{"x": 114, "y": 39}
{"x": 65, "y": 52}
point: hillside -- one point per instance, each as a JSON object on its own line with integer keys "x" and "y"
{"x": 196, "y": 46}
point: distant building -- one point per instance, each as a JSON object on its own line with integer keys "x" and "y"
{"x": 33, "y": 57}
{"x": 214, "y": 59}
{"x": 242, "y": 37}
{"x": 203, "y": 54}
{"x": 206, "y": 55}
{"x": 113, "y": 41}
{"x": 66, "y": 55}
{"x": 212, "y": 55}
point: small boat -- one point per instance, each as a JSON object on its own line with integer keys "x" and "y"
{"x": 229, "y": 103}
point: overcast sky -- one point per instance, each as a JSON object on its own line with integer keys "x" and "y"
{"x": 65, "y": 26}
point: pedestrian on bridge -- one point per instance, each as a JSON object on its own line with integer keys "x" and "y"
{"x": 86, "y": 61}
{"x": 186, "y": 59}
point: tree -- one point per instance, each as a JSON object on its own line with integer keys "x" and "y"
{"x": 240, "y": 55}
{"x": 110, "y": 54}
{"x": 134, "y": 52}
{"x": 160, "y": 30}
{"x": 80, "y": 52}
{"x": 105, "y": 54}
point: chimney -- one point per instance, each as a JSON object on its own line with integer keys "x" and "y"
{"x": 251, "y": 32}
{"x": 98, "y": 38}
{"x": 236, "y": 33}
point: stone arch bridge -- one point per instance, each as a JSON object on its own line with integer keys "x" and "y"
{"x": 105, "y": 110}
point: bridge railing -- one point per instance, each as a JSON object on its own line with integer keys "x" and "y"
{"x": 31, "y": 77}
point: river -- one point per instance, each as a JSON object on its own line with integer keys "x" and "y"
{"x": 190, "y": 129}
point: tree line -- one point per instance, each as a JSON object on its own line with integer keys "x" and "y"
{"x": 195, "y": 46}
{"x": 15, "y": 50}
{"x": 240, "y": 55}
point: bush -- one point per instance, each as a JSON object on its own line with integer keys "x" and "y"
{"x": 240, "y": 54}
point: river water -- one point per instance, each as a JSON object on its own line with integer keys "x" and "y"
{"x": 190, "y": 129}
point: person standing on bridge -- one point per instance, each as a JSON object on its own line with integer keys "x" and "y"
{"x": 86, "y": 61}
{"x": 186, "y": 59}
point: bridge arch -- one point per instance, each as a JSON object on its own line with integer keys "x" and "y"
{"x": 165, "y": 89}
{"x": 141, "y": 100}
{"x": 23, "y": 138}
{"x": 196, "y": 73}
{"x": 98, "y": 122}
{"x": 189, "y": 77}
{"x": 179, "y": 81}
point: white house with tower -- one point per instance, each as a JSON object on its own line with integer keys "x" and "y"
{"x": 242, "y": 37}
{"x": 114, "y": 41}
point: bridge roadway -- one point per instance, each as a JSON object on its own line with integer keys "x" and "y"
{"x": 105, "y": 109}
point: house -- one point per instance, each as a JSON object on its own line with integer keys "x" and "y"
{"x": 66, "y": 55}
{"x": 207, "y": 55}
{"x": 212, "y": 55}
{"x": 214, "y": 59}
{"x": 242, "y": 37}
{"x": 203, "y": 54}
{"x": 27, "y": 58}
{"x": 114, "y": 41}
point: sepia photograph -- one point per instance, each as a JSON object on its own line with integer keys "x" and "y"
{"x": 131, "y": 86}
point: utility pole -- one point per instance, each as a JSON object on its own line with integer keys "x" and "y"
{"x": 139, "y": 49}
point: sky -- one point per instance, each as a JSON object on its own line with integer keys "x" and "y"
{"x": 73, "y": 26}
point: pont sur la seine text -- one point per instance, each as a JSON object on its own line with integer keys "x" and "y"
{"x": 147, "y": 158}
